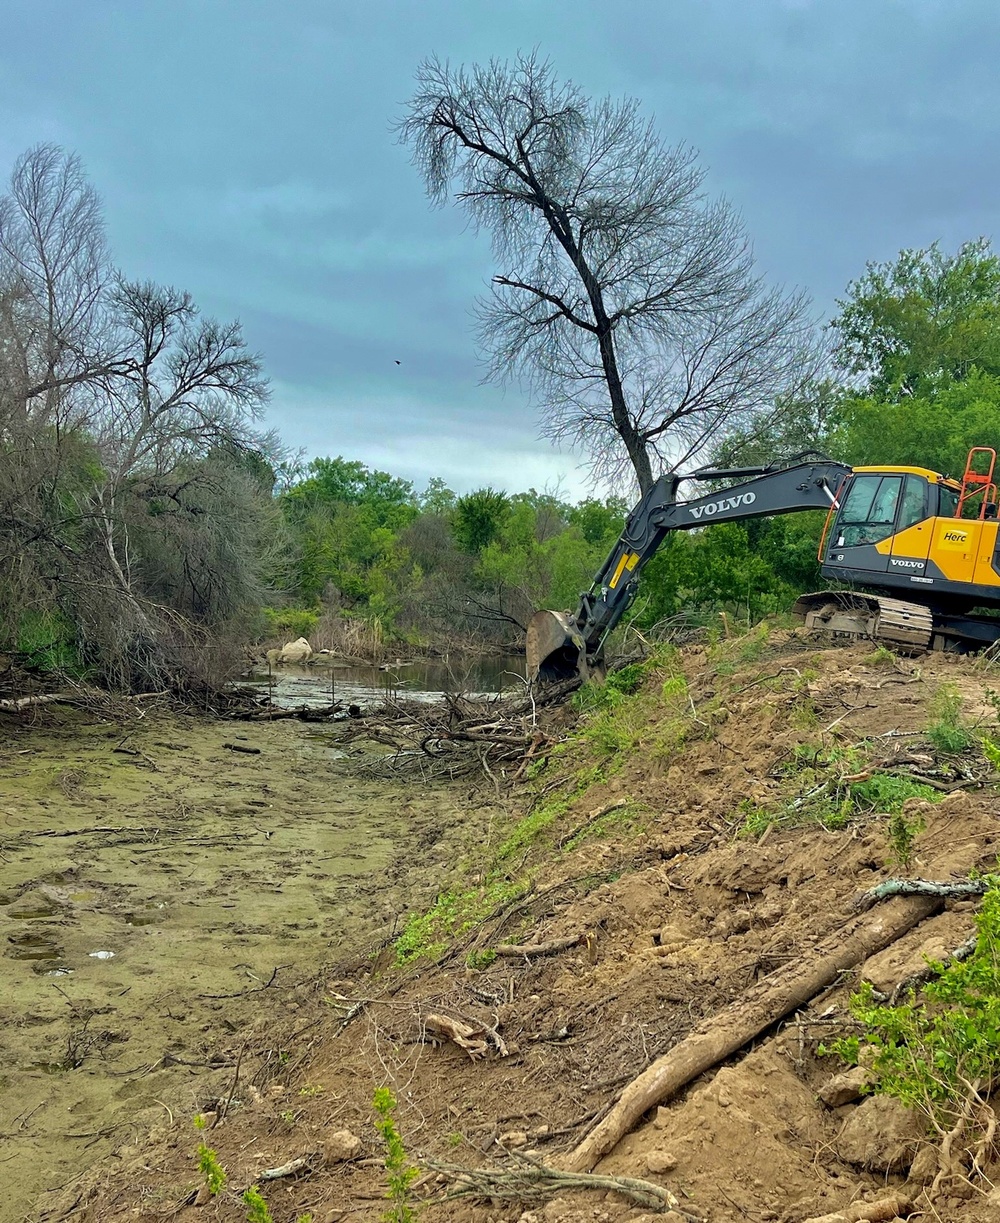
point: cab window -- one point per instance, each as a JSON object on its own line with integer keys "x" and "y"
{"x": 869, "y": 512}
{"x": 913, "y": 508}
{"x": 948, "y": 502}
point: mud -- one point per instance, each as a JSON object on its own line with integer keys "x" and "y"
{"x": 156, "y": 886}
{"x": 676, "y": 916}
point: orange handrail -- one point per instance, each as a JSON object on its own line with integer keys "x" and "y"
{"x": 976, "y": 483}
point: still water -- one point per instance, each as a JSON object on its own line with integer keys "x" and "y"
{"x": 295, "y": 687}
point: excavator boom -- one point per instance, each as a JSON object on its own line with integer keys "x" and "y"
{"x": 904, "y": 531}
{"x": 561, "y": 645}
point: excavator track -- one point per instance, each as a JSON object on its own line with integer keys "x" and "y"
{"x": 907, "y": 625}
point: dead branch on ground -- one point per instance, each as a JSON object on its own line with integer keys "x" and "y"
{"x": 531, "y": 1179}
{"x": 920, "y": 887}
{"x": 764, "y": 1004}
{"x": 460, "y": 736}
{"x": 517, "y": 951}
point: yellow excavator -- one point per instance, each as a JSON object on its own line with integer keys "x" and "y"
{"x": 917, "y": 554}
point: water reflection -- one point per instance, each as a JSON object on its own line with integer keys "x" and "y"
{"x": 298, "y": 687}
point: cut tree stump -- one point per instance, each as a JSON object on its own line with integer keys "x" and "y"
{"x": 771, "y": 999}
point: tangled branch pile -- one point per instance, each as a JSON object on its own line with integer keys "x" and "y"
{"x": 463, "y": 736}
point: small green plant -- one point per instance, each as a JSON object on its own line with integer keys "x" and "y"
{"x": 257, "y": 1211}
{"x": 948, "y": 732}
{"x": 881, "y": 656}
{"x": 401, "y": 1173}
{"x": 480, "y": 959}
{"x": 312, "y": 1090}
{"x": 941, "y": 1056}
{"x": 455, "y": 1140}
{"x": 903, "y": 831}
{"x": 208, "y": 1162}
{"x": 288, "y": 1116}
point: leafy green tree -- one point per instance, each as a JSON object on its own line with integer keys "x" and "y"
{"x": 913, "y": 325}
{"x": 437, "y": 497}
{"x": 935, "y": 430}
{"x": 479, "y": 518}
{"x": 386, "y": 500}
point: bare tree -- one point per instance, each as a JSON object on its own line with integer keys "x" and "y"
{"x": 627, "y": 299}
{"x": 134, "y": 500}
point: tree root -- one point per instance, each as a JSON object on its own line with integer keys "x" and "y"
{"x": 516, "y": 951}
{"x": 869, "y": 1212}
{"x": 533, "y": 1179}
{"x": 770, "y": 1000}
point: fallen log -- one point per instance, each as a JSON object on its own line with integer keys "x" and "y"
{"x": 26, "y": 702}
{"x": 869, "y": 1212}
{"x": 764, "y": 1004}
{"x": 514, "y": 951}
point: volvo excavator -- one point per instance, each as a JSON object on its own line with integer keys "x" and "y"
{"x": 917, "y": 553}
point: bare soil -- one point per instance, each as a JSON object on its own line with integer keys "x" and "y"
{"x": 679, "y": 915}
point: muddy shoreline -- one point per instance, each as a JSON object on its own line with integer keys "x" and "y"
{"x": 152, "y": 881}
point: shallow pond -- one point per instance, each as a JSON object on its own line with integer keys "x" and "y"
{"x": 322, "y": 683}
{"x": 151, "y": 879}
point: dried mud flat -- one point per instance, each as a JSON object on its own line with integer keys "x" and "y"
{"x": 680, "y": 919}
{"x": 156, "y": 886}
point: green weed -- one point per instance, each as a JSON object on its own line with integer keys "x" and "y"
{"x": 401, "y": 1173}
{"x": 948, "y": 732}
{"x": 290, "y": 622}
{"x": 454, "y": 913}
{"x": 208, "y": 1162}
{"x": 834, "y": 803}
{"x": 47, "y": 641}
{"x": 885, "y": 793}
{"x": 623, "y": 817}
{"x": 941, "y": 1057}
{"x": 881, "y": 656}
{"x": 480, "y": 959}
{"x": 257, "y": 1211}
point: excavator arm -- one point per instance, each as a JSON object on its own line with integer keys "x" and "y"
{"x": 562, "y": 645}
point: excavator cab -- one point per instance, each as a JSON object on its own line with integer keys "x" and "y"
{"x": 909, "y": 527}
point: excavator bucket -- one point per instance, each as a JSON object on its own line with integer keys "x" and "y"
{"x": 555, "y": 649}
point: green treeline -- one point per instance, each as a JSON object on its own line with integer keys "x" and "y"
{"x": 914, "y": 378}
{"x": 150, "y": 530}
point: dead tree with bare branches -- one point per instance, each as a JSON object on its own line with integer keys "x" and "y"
{"x": 626, "y": 298}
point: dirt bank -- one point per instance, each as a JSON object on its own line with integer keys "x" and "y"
{"x": 160, "y": 884}
{"x": 695, "y": 839}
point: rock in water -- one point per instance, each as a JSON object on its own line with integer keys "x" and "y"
{"x": 296, "y": 651}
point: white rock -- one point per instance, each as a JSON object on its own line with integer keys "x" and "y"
{"x": 295, "y": 651}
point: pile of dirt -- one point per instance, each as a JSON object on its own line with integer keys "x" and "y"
{"x": 741, "y": 847}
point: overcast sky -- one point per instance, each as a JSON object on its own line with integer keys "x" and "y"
{"x": 244, "y": 153}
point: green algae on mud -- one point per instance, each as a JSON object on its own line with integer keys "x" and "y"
{"x": 151, "y": 879}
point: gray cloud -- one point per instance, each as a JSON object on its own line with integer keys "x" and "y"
{"x": 244, "y": 152}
